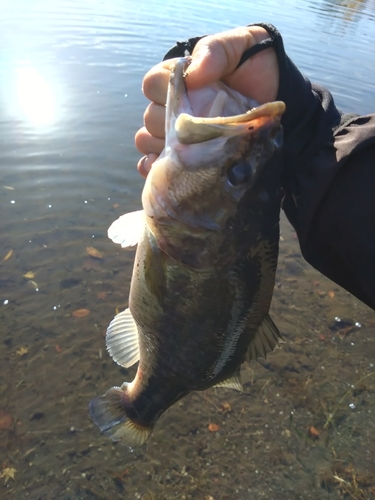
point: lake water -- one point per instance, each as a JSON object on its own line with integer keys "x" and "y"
{"x": 70, "y": 104}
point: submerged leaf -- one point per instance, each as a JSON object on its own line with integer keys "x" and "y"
{"x": 226, "y": 407}
{"x": 91, "y": 265}
{"x": 93, "y": 252}
{"x": 29, "y": 275}
{"x": 10, "y": 188}
{"x": 213, "y": 427}
{"x": 22, "y": 351}
{"x": 6, "y": 420}
{"x": 313, "y": 432}
{"x": 80, "y": 313}
{"x": 8, "y": 255}
{"x": 8, "y": 473}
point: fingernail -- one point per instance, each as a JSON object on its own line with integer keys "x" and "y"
{"x": 195, "y": 63}
{"x": 142, "y": 167}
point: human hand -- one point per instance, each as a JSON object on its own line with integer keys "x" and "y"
{"x": 214, "y": 58}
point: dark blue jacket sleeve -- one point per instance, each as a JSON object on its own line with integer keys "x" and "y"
{"x": 328, "y": 180}
{"x": 328, "y": 177}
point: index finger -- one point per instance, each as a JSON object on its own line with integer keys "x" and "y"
{"x": 155, "y": 82}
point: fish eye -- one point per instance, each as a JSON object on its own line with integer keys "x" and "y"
{"x": 239, "y": 174}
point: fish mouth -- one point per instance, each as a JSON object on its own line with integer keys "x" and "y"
{"x": 205, "y": 130}
{"x": 189, "y": 129}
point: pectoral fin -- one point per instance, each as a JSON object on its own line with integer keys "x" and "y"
{"x": 128, "y": 229}
{"x": 266, "y": 339}
{"x": 122, "y": 339}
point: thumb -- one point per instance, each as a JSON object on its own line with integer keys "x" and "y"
{"x": 217, "y": 56}
{"x": 209, "y": 64}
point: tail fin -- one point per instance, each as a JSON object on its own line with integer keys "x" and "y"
{"x": 109, "y": 413}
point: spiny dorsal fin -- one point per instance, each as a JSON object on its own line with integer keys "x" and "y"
{"x": 128, "y": 229}
{"x": 266, "y": 339}
{"x": 233, "y": 382}
{"x": 122, "y": 339}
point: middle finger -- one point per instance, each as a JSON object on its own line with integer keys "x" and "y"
{"x": 154, "y": 120}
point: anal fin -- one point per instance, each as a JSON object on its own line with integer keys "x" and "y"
{"x": 233, "y": 382}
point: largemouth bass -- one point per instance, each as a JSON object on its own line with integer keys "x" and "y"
{"x": 205, "y": 264}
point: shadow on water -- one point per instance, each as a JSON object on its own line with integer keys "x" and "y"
{"x": 71, "y": 102}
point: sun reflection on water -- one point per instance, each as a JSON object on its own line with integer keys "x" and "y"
{"x": 36, "y": 100}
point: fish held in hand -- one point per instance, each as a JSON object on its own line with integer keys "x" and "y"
{"x": 205, "y": 264}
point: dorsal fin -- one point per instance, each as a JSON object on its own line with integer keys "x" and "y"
{"x": 122, "y": 339}
{"x": 233, "y": 382}
{"x": 128, "y": 229}
{"x": 266, "y": 339}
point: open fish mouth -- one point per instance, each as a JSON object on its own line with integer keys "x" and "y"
{"x": 187, "y": 121}
{"x": 206, "y": 131}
